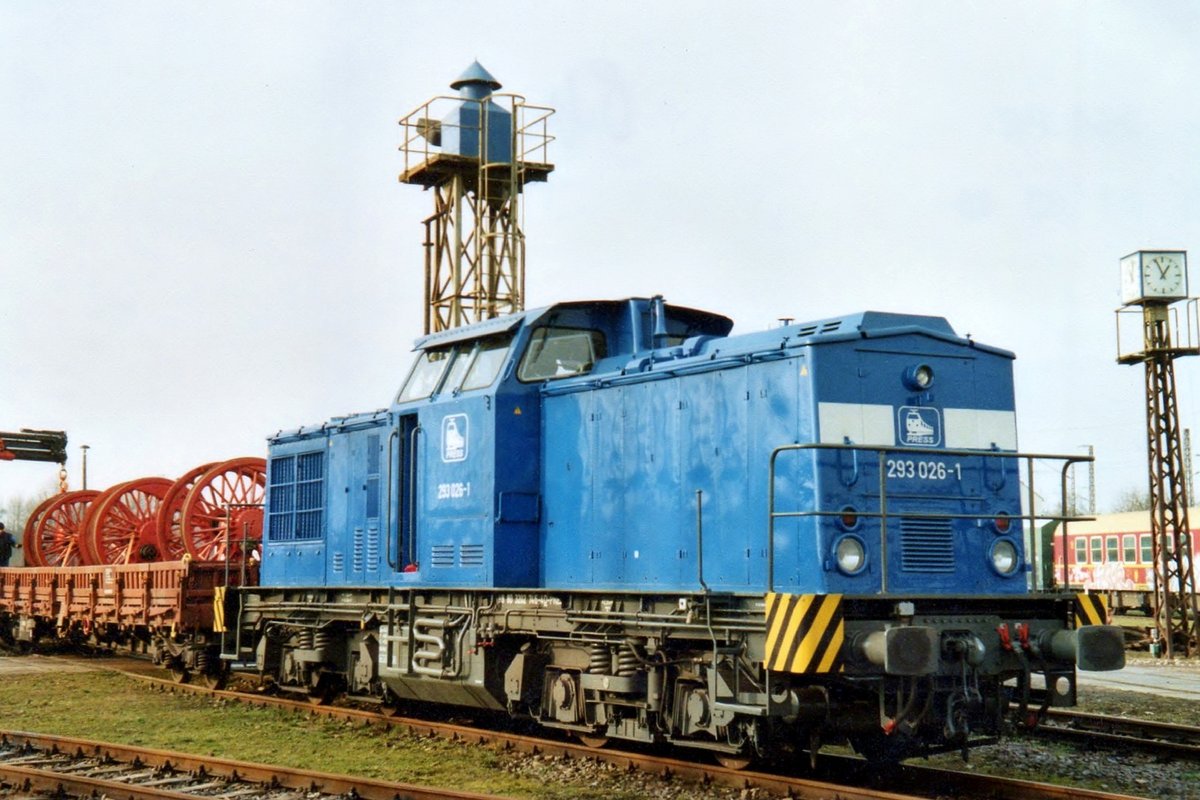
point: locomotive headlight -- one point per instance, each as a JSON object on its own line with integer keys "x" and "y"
{"x": 1004, "y": 557}
{"x": 850, "y": 555}
{"x": 918, "y": 377}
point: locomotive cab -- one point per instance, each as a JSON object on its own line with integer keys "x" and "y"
{"x": 445, "y": 487}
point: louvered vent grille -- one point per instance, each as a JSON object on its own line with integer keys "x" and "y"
{"x": 358, "y": 550}
{"x": 296, "y": 497}
{"x": 442, "y": 555}
{"x": 372, "y": 549}
{"x": 472, "y": 555}
{"x": 926, "y": 545}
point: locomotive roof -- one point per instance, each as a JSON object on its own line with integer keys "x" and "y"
{"x": 714, "y": 324}
{"x": 704, "y": 353}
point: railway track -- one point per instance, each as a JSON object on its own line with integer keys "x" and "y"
{"x": 842, "y": 777}
{"x": 1162, "y": 738}
{"x": 58, "y": 766}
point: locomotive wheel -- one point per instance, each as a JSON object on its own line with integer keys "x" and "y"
{"x": 215, "y": 677}
{"x": 52, "y": 533}
{"x": 225, "y": 500}
{"x": 389, "y": 706}
{"x": 179, "y": 673}
{"x": 122, "y": 523}
{"x": 734, "y": 762}
{"x": 170, "y": 513}
{"x": 323, "y": 693}
{"x": 596, "y": 742}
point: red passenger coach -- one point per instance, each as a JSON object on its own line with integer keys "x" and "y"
{"x": 1113, "y": 554}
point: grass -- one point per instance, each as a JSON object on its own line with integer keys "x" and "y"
{"x": 110, "y": 707}
{"x": 113, "y": 708}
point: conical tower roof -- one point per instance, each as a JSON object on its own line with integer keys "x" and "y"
{"x": 476, "y": 74}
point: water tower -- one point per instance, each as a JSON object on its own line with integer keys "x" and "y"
{"x": 476, "y": 152}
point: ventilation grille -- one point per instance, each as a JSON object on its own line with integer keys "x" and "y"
{"x": 926, "y": 545}
{"x": 372, "y": 549}
{"x": 442, "y": 555}
{"x": 472, "y": 555}
{"x": 358, "y": 550}
{"x": 827, "y": 327}
{"x": 296, "y": 497}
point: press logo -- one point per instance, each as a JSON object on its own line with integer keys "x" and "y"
{"x": 454, "y": 437}
{"x": 920, "y": 427}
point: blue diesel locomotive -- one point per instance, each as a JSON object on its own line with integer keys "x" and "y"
{"x": 619, "y": 520}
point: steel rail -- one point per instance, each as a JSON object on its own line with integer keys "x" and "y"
{"x": 905, "y": 782}
{"x": 203, "y": 769}
{"x": 1121, "y": 732}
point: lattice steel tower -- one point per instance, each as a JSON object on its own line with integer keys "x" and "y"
{"x": 1152, "y": 285}
{"x": 476, "y": 152}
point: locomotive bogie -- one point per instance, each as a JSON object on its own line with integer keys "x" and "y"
{"x": 689, "y": 669}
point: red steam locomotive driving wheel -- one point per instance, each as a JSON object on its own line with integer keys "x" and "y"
{"x": 122, "y": 525}
{"x": 52, "y": 532}
{"x": 170, "y": 513}
{"x": 222, "y": 516}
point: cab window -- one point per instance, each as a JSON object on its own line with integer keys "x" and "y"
{"x": 490, "y": 355}
{"x": 560, "y": 353}
{"x": 454, "y": 375}
{"x": 426, "y": 375}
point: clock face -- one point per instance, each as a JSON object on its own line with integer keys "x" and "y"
{"x": 1154, "y": 277}
{"x": 1163, "y": 275}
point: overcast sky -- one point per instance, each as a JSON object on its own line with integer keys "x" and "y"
{"x": 202, "y": 239}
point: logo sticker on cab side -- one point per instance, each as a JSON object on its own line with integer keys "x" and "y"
{"x": 919, "y": 427}
{"x": 455, "y": 430}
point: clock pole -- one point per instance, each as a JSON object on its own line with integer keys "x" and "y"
{"x": 1152, "y": 283}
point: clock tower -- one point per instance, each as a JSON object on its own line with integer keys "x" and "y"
{"x": 1154, "y": 289}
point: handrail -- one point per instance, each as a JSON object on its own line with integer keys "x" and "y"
{"x": 413, "y": 486}
{"x": 700, "y": 539}
{"x": 882, "y": 452}
{"x": 387, "y": 519}
{"x": 424, "y": 124}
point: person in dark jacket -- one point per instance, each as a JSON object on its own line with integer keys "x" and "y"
{"x": 7, "y": 545}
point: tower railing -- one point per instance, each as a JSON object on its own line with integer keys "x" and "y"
{"x": 1157, "y": 330}
{"x": 425, "y": 126}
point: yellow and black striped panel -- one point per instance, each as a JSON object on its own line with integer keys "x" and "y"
{"x": 1091, "y": 609}
{"x": 218, "y": 609}
{"x": 804, "y": 633}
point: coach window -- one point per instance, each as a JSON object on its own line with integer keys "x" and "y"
{"x": 560, "y": 353}
{"x": 1147, "y": 550}
{"x": 1129, "y": 546}
{"x": 1097, "y": 549}
{"x": 1112, "y": 551}
{"x": 426, "y": 375}
{"x": 1081, "y": 550}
